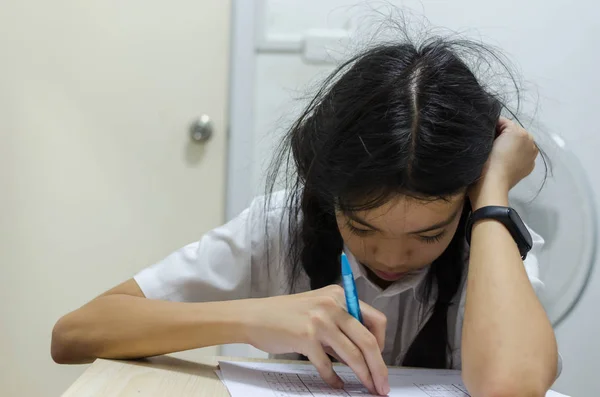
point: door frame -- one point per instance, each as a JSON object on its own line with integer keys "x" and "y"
{"x": 239, "y": 184}
{"x": 241, "y": 123}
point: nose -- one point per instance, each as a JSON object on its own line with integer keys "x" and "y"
{"x": 392, "y": 255}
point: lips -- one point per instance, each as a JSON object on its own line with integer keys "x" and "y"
{"x": 389, "y": 276}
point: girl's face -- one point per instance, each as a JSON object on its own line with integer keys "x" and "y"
{"x": 401, "y": 236}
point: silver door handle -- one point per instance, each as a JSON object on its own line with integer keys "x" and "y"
{"x": 201, "y": 129}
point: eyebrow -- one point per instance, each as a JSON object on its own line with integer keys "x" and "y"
{"x": 360, "y": 221}
{"x": 438, "y": 225}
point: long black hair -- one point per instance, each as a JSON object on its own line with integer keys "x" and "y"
{"x": 398, "y": 118}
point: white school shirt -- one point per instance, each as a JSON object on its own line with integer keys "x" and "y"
{"x": 231, "y": 262}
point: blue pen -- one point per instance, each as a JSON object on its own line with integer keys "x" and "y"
{"x": 350, "y": 289}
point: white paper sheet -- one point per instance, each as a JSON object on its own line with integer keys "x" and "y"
{"x": 552, "y": 393}
{"x": 256, "y": 379}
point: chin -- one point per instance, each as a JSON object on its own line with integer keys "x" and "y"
{"x": 389, "y": 276}
{"x": 392, "y": 276}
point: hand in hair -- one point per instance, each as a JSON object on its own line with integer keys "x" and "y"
{"x": 512, "y": 159}
{"x": 316, "y": 322}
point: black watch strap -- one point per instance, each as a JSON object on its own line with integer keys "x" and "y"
{"x": 510, "y": 219}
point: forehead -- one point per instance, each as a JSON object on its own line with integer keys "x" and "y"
{"x": 403, "y": 214}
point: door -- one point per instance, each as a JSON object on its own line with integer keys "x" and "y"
{"x": 99, "y": 175}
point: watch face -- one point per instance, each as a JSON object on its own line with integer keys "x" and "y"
{"x": 516, "y": 220}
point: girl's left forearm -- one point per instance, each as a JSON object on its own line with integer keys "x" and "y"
{"x": 508, "y": 345}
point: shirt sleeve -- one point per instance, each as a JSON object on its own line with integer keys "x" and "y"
{"x": 532, "y": 267}
{"x": 226, "y": 263}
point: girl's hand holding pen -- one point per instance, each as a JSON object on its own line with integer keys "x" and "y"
{"x": 316, "y": 322}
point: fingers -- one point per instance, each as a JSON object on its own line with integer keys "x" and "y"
{"x": 502, "y": 125}
{"x": 324, "y": 366}
{"x": 333, "y": 354}
{"x": 376, "y": 322}
{"x": 370, "y": 351}
{"x": 358, "y": 346}
{"x": 353, "y": 356}
{"x": 505, "y": 124}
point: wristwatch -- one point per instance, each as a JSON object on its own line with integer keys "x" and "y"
{"x": 510, "y": 219}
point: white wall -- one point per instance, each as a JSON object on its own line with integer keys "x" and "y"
{"x": 554, "y": 43}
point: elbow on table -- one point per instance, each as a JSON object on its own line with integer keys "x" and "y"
{"x": 65, "y": 346}
{"x": 509, "y": 387}
{"x": 521, "y": 377}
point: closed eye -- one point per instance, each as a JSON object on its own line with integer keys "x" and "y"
{"x": 432, "y": 239}
{"x": 359, "y": 231}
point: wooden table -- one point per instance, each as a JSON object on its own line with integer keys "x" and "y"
{"x": 162, "y": 376}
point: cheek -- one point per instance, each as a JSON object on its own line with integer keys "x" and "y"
{"x": 425, "y": 253}
{"x": 355, "y": 243}
{"x": 362, "y": 247}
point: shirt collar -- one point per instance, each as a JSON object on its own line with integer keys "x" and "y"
{"x": 411, "y": 281}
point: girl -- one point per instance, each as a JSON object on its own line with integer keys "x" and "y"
{"x": 402, "y": 161}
